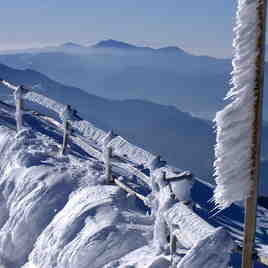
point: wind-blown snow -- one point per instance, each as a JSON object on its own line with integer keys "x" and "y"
{"x": 234, "y": 123}
{"x": 44, "y": 211}
{"x": 93, "y": 234}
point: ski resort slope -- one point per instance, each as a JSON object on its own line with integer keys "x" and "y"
{"x": 56, "y": 212}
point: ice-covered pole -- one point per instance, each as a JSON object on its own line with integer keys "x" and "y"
{"x": 66, "y": 116}
{"x": 239, "y": 123}
{"x": 66, "y": 132}
{"x": 17, "y": 92}
{"x": 251, "y": 201}
{"x": 107, "y": 161}
{"x": 18, "y": 102}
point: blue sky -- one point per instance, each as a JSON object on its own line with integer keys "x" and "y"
{"x": 200, "y": 27}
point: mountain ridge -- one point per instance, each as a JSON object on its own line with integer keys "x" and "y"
{"x": 168, "y": 76}
{"x": 102, "y": 44}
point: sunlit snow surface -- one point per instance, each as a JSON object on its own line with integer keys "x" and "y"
{"x": 45, "y": 212}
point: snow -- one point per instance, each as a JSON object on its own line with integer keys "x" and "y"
{"x": 91, "y": 234}
{"x": 181, "y": 188}
{"x": 234, "y": 123}
{"x": 89, "y": 131}
{"x": 122, "y": 147}
{"x": 48, "y": 218}
{"x": 42, "y": 104}
{"x": 191, "y": 227}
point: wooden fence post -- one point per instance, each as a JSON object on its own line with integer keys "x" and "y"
{"x": 18, "y": 103}
{"x": 67, "y": 128}
{"x": 173, "y": 246}
{"x": 251, "y": 202}
{"x": 107, "y": 161}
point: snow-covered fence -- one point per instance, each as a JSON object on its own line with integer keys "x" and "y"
{"x": 42, "y": 104}
{"x": 185, "y": 223}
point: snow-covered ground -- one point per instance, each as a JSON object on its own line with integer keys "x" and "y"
{"x": 56, "y": 212}
{"x": 53, "y": 212}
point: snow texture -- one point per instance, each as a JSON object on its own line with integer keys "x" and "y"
{"x": 51, "y": 212}
{"x": 93, "y": 215}
{"x": 235, "y": 122}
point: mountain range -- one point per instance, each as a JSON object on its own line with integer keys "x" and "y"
{"x": 118, "y": 70}
{"x": 139, "y": 92}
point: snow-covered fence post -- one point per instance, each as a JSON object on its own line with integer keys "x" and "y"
{"x": 239, "y": 124}
{"x": 107, "y": 153}
{"x": 66, "y": 116}
{"x": 67, "y": 129}
{"x": 173, "y": 246}
{"x": 18, "y": 103}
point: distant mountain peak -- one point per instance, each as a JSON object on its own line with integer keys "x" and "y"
{"x": 70, "y": 45}
{"x": 171, "y": 49}
{"x": 110, "y": 43}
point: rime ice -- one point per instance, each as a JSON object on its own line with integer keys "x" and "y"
{"x": 234, "y": 123}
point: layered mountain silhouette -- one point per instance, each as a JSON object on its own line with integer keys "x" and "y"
{"x": 176, "y": 135}
{"x": 183, "y": 140}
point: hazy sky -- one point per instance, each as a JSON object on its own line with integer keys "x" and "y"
{"x": 200, "y": 27}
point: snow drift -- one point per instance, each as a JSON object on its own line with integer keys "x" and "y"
{"x": 51, "y": 212}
